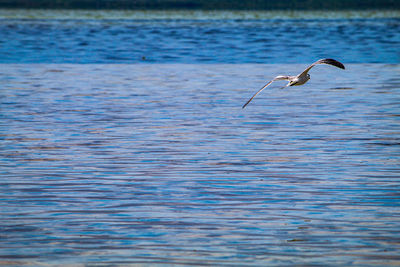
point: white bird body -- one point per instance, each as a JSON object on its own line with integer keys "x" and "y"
{"x": 300, "y": 79}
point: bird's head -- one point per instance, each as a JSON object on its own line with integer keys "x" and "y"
{"x": 308, "y": 76}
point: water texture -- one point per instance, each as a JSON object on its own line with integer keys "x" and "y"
{"x": 198, "y": 37}
{"x": 154, "y": 162}
{"x": 158, "y": 164}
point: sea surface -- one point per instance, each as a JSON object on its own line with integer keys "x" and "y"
{"x": 68, "y": 36}
{"x": 123, "y": 141}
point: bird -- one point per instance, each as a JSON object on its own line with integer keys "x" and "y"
{"x": 300, "y": 79}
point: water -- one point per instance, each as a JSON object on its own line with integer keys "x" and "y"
{"x": 157, "y": 164}
{"x": 258, "y": 37}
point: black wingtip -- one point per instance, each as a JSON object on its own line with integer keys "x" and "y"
{"x": 248, "y": 101}
{"x": 332, "y": 62}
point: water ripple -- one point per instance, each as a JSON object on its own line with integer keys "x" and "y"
{"x": 158, "y": 164}
{"x": 191, "y": 40}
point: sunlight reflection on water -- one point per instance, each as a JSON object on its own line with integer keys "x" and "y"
{"x": 133, "y": 164}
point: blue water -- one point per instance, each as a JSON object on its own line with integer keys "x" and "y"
{"x": 157, "y": 164}
{"x": 209, "y": 40}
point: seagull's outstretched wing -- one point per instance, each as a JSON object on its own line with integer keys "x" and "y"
{"x": 328, "y": 61}
{"x": 280, "y": 77}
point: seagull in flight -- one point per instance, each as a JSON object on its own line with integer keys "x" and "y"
{"x": 300, "y": 79}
